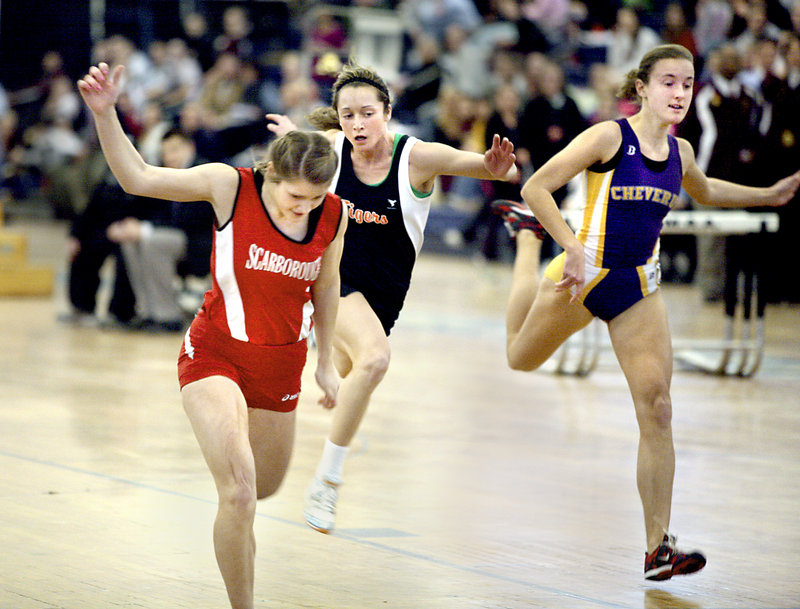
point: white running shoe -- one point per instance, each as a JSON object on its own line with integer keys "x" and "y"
{"x": 320, "y": 512}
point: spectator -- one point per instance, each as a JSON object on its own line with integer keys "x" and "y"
{"x": 629, "y": 41}
{"x": 236, "y": 34}
{"x": 783, "y": 145}
{"x": 713, "y": 20}
{"x": 506, "y": 69}
{"x": 530, "y": 38}
{"x": 29, "y": 101}
{"x": 758, "y": 27}
{"x": 760, "y": 59}
{"x": 676, "y": 30}
{"x": 186, "y": 76}
{"x": 88, "y": 248}
{"x": 726, "y": 120}
{"x": 550, "y": 120}
{"x": 223, "y": 90}
{"x": 120, "y": 50}
{"x": 153, "y": 128}
{"x": 154, "y": 247}
{"x": 433, "y": 17}
{"x": 550, "y": 15}
{"x": 417, "y": 90}
{"x": 198, "y": 39}
{"x": 464, "y": 63}
{"x": 504, "y": 121}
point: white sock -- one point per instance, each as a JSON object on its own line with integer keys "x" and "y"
{"x": 332, "y": 462}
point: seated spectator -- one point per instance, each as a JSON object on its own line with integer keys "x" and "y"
{"x": 713, "y": 20}
{"x": 629, "y": 41}
{"x": 151, "y": 133}
{"x": 758, "y": 27}
{"x": 236, "y": 36}
{"x": 174, "y": 238}
{"x": 675, "y": 29}
{"x": 88, "y": 248}
{"x": 465, "y": 64}
{"x": 199, "y": 39}
{"x": 433, "y": 17}
{"x": 417, "y": 90}
{"x": 223, "y": 92}
{"x": 186, "y": 75}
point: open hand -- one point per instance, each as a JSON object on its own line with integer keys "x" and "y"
{"x": 280, "y": 124}
{"x": 500, "y": 157}
{"x": 101, "y": 86}
{"x": 573, "y": 277}
{"x": 785, "y": 189}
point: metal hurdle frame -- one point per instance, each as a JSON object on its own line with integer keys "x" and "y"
{"x": 738, "y": 353}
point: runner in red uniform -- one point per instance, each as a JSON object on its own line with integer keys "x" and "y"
{"x": 275, "y": 268}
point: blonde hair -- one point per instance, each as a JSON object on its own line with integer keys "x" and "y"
{"x": 627, "y": 89}
{"x": 299, "y": 155}
{"x": 351, "y": 74}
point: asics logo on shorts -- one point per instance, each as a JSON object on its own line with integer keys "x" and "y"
{"x": 290, "y": 396}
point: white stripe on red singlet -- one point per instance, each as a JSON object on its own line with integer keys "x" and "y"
{"x": 226, "y": 279}
{"x": 308, "y": 311}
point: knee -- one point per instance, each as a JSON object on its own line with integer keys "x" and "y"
{"x": 656, "y": 413}
{"x": 374, "y": 364}
{"x": 522, "y": 362}
{"x": 239, "y": 498}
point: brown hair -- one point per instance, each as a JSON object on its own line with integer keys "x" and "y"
{"x": 300, "y": 155}
{"x": 627, "y": 89}
{"x": 354, "y": 75}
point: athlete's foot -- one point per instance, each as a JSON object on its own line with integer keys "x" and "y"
{"x": 517, "y": 217}
{"x": 667, "y": 560}
{"x": 320, "y": 510}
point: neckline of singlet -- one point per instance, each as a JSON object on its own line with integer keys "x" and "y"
{"x": 313, "y": 216}
{"x": 650, "y": 164}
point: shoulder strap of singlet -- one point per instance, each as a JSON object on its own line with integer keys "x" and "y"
{"x": 611, "y": 163}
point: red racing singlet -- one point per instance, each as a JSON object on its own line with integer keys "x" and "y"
{"x": 261, "y": 279}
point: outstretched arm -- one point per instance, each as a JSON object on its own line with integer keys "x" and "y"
{"x": 722, "y": 193}
{"x": 431, "y": 159}
{"x": 100, "y": 88}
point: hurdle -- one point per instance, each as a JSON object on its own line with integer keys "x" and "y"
{"x": 739, "y": 352}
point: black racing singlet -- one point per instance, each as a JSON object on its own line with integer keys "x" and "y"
{"x": 384, "y": 232}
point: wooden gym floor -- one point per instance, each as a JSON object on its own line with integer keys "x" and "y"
{"x": 469, "y": 485}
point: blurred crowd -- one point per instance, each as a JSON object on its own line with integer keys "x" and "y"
{"x": 535, "y": 71}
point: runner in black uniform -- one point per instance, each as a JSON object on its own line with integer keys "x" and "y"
{"x": 386, "y": 181}
{"x": 385, "y": 218}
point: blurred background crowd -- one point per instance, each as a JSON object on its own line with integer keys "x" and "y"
{"x": 536, "y": 71}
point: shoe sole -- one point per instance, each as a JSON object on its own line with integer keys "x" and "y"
{"x": 690, "y": 565}
{"x": 319, "y": 529}
{"x": 503, "y": 207}
{"x": 685, "y": 567}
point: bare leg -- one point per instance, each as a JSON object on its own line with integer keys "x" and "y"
{"x": 524, "y": 281}
{"x": 362, "y": 356}
{"x": 217, "y": 411}
{"x": 272, "y": 440}
{"x": 641, "y": 341}
{"x": 538, "y": 319}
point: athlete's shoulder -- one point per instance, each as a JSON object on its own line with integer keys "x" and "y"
{"x": 598, "y": 143}
{"x": 686, "y": 151}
